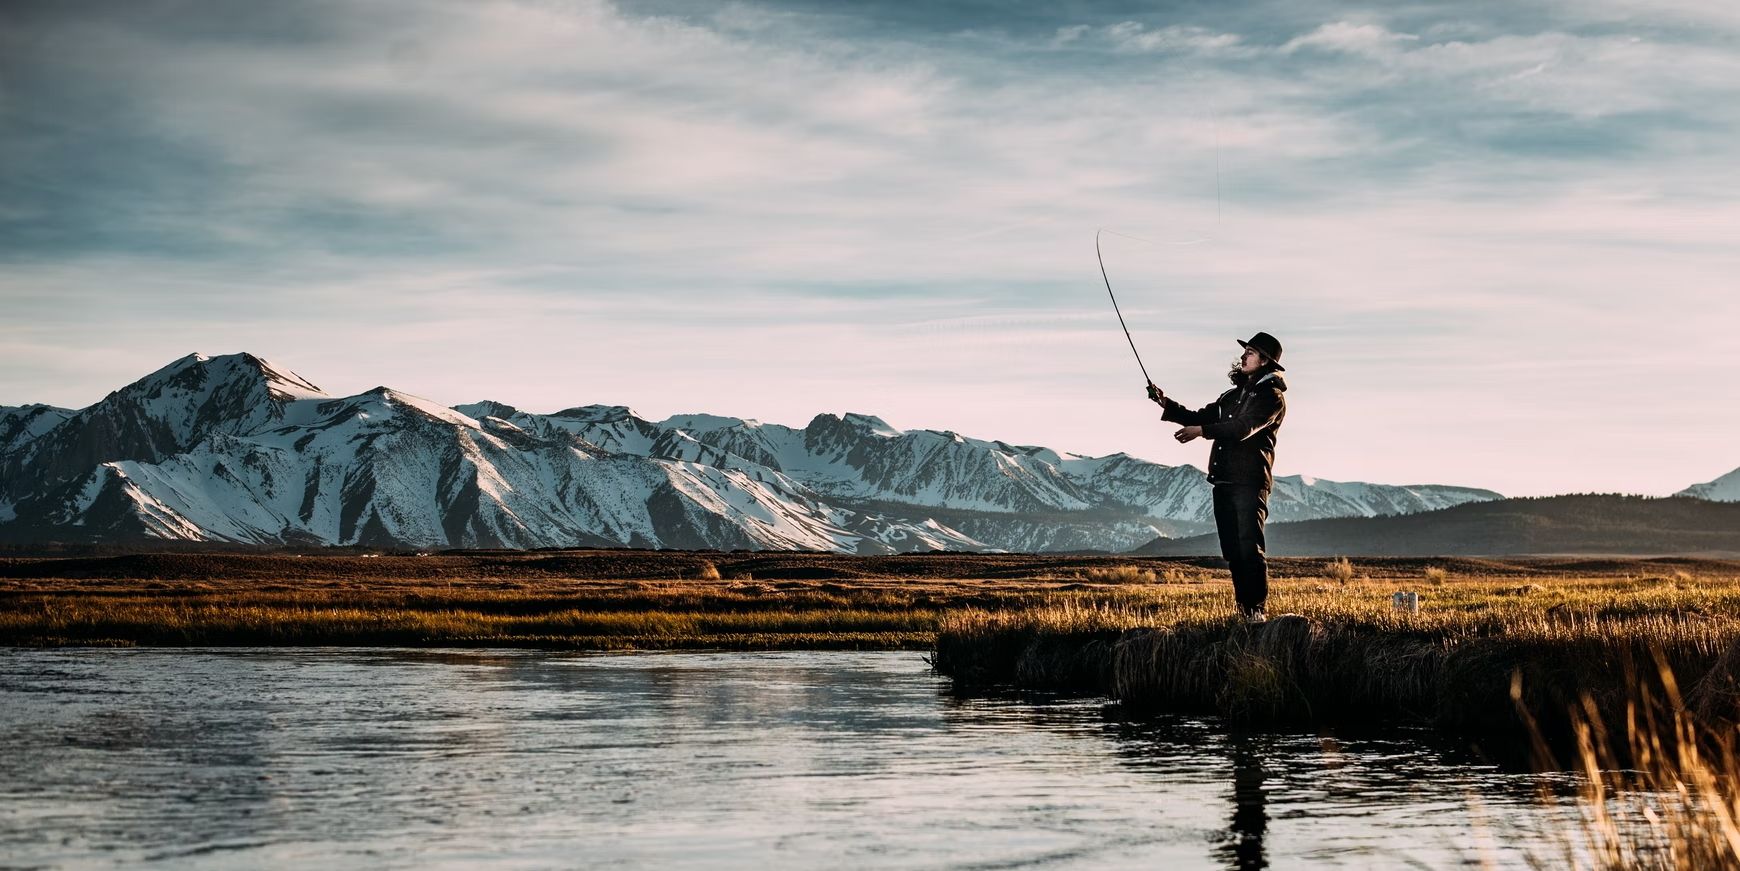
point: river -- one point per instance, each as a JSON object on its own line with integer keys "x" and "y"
{"x": 360, "y": 758}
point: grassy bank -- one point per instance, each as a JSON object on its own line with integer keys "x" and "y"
{"x": 1347, "y": 657}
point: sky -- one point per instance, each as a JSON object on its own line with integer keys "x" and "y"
{"x": 1499, "y": 241}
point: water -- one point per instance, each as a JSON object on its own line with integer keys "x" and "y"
{"x": 343, "y": 758}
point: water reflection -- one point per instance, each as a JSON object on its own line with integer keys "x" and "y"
{"x": 1243, "y": 849}
{"x": 417, "y": 759}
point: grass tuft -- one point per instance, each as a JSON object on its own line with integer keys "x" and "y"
{"x": 1340, "y": 570}
{"x": 1122, "y": 573}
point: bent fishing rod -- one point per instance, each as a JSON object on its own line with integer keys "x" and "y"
{"x": 1115, "y": 308}
{"x": 1195, "y": 241}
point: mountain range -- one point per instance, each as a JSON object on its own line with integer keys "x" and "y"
{"x": 237, "y": 449}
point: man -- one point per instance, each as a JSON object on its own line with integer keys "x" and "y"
{"x": 1242, "y": 423}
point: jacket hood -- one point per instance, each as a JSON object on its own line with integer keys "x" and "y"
{"x": 1275, "y": 378}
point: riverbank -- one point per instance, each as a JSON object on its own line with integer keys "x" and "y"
{"x": 1343, "y": 655}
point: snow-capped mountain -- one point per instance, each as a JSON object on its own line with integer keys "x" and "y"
{"x": 1723, "y": 489}
{"x": 237, "y": 449}
{"x": 19, "y": 425}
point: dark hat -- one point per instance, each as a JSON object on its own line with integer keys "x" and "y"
{"x": 1268, "y": 346}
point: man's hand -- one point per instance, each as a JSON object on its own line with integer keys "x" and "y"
{"x": 1189, "y": 433}
{"x": 1155, "y": 393}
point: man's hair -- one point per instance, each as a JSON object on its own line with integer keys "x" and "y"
{"x": 1238, "y": 377}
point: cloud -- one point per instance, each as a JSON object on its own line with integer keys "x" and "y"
{"x": 827, "y": 207}
{"x": 1371, "y": 40}
{"x": 1133, "y": 36}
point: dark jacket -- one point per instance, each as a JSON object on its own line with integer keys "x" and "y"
{"x": 1242, "y": 423}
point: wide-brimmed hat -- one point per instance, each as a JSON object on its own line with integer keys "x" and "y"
{"x": 1268, "y": 346}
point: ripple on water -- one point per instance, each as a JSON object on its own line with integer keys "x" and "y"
{"x": 416, "y": 758}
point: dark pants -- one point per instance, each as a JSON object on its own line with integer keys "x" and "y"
{"x": 1239, "y": 513}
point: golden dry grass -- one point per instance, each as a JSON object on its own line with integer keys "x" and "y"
{"x": 1340, "y": 569}
{"x": 1122, "y": 573}
{"x": 1110, "y": 596}
{"x": 1341, "y": 653}
{"x": 1658, "y": 788}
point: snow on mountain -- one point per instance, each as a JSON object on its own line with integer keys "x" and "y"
{"x": 21, "y": 425}
{"x": 859, "y": 457}
{"x": 1296, "y": 497}
{"x": 237, "y": 449}
{"x": 158, "y": 416}
{"x": 1723, "y": 489}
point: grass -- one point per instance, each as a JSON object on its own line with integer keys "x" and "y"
{"x": 1347, "y": 656}
{"x": 305, "y": 602}
{"x": 598, "y": 616}
{"x": 1122, "y": 573}
{"x": 1340, "y": 569}
{"x": 1657, "y": 789}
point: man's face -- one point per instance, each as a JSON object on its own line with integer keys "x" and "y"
{"x": 1250, "y": 362}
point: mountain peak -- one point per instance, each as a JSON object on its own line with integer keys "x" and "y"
{"x": 424, "y": 407}
{"x": 196, "y": 372}
{"x": 163, "y": 414}
{"x": 597, "y": 413}
{"x": 1723, "y": 489}
{"x": 870, "y": 422}
{"x": 281, "y": 381}
{"x": 702, "y": 423}
{"x": 487, "y": 408}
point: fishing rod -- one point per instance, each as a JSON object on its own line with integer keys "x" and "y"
{"x": 1102, "y": 258}
{"x": 1103, "y": 277}
{"x": 1115, "y": 308}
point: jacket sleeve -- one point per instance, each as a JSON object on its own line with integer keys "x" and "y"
{"x": 1176, "y": 412}
{"x": 1259, "y": 413}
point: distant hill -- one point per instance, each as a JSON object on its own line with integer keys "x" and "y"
{"x": 1579, "y": 524}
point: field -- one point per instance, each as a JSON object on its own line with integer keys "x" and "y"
{"x": 615, "y": 599}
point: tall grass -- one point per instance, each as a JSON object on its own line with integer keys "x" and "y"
{"x": 1659, "y": 788}
{"x": 1347, "y": 655}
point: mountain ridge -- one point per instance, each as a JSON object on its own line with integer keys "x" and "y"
{"x": 1723, "y": 489}
{"x": 235, "y": 448}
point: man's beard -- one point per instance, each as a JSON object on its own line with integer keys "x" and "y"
{"x": 1237, "y": 374}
